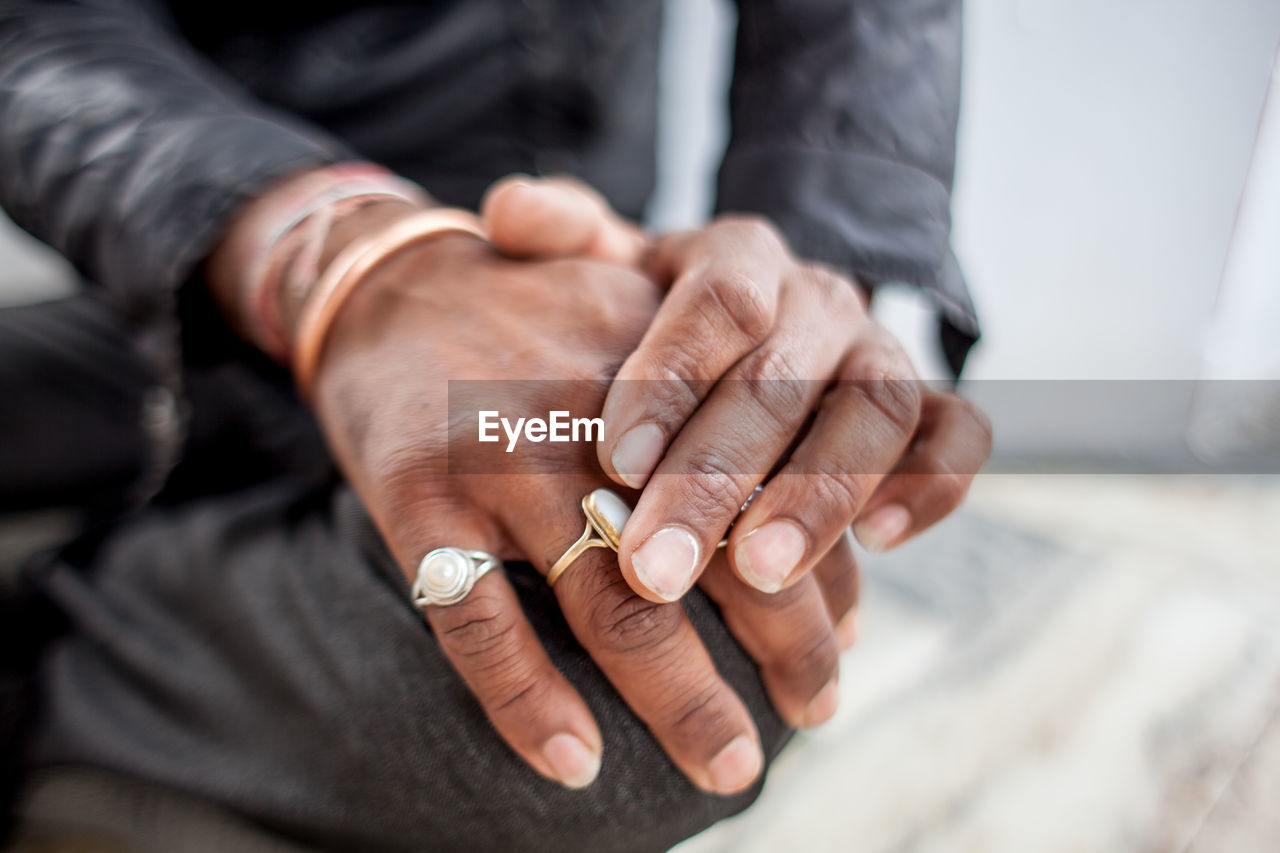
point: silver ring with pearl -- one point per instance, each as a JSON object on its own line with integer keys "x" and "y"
{"x": 447, "y": 575}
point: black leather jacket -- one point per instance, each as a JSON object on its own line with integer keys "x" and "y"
{"x": 131, "y": 130}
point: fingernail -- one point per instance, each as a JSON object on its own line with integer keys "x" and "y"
{"x": 882, "y": 527}
{"x": 847, "y": 630}
{"x": 823, "y": 706}
{"x": 769, "y": 554}
{"x": 637, "y": 453}
{"x": 573, "y": 762}
{"x": 736, "y": 766}
{"x": 665, "y": 562}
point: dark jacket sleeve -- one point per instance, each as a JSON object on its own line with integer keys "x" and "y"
{"x": 843, "y": 133}
{"x": 121, "y": 149}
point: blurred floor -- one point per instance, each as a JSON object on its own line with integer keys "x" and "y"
{"x": 1072, "y": 664}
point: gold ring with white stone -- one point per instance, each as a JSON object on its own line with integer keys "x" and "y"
{"x": 606, "y": 516}
{"x": 447, "y": 575}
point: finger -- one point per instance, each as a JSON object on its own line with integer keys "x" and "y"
{"x": 862, "y": 428}
{"x": 726, "y": 448}
{"x": 493, "y": 647}
{"x": 557, "y": 217}
{"x": 789, "y": 636}
{"x": 650, "y": 653}
{"x": 722, "y": 303}
{"x": 951, "y": 445}
{"x": 840, "y": 580}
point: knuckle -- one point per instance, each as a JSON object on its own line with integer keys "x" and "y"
{"x": 710, "y": 490}
{"x": 896, "y": 400}
{"x": 477, "y": 627}
{"x": 827, "y": 283}
{"x": 634, "y": 625}
{"x": 734, "y": 302}
{"x": 668, "y": 377}
{"x": 812, "y": 663}
{"x": 399, "y": 471}
{"x": 878, "y": 354}
{"x": 772, "y": 364}
{"x": 697, "y": 715}
{"x": 835, "y": 292}
{"x": 772, "y": 378}
{"x": 842, "y": 494}
{"x": 407, "y": 477}
{"x": 517, "y": 691}
{"x": 757, "y": 229}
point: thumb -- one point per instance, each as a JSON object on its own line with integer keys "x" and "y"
{"x": 557, "y": 217}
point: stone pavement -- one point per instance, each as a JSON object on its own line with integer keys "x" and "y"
{"x": 1073, "y": 663}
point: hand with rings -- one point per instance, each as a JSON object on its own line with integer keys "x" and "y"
{"x": 453, "y": 308}
{"x": 573, "y": 293}
{"x": 607, "y": 515}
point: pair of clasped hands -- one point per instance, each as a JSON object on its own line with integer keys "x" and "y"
{"x": 567, "y": 290}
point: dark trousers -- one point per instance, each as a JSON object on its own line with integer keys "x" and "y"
{"x": 246, "y": 640}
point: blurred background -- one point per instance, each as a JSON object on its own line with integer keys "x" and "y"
{"x": 1088, "y": 656}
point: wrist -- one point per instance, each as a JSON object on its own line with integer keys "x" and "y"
{"x": 293, "y": 230}
{"x": 359, "y": 261}
{"x": 303, "y": 268}
{"x": 419, "y": 282}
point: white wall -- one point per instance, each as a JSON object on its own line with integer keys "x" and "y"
{"x": 1104, "y": 148}
{"x": 1103, "y": 151}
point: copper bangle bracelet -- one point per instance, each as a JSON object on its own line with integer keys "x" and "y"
{"x": 345, "y": 273}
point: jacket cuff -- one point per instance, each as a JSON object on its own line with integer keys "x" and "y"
{"x": 168, "y": 226}
{"x": 876, "y": 219}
